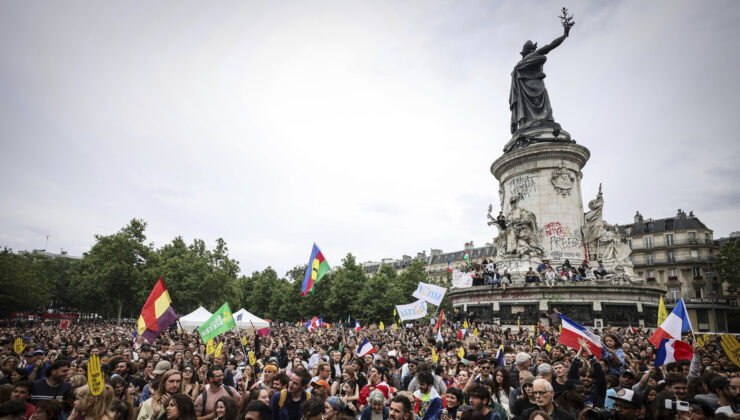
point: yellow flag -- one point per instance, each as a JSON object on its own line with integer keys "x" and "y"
{"x": 465, "y": 324}
{"x": 461, "y": 353}
{"x": 394, "y": 311}
{"x": 217, "y": 352}
{"x": 731, "y": 348}
{"x": 560, "y": 327}
{"x": 435, "y": 356}
{"x": 548, "y": 347}
{"x": 94, "y": 375}
{"x": 475, "y": 332}
{"x": 252, "y": 359}
{"x": 518, "y": 322}
{"x": 395, "y": 326}
{"x": 244, "y": 340}
{"x": 209, "y": 347}
{"x": 662, "y": 313}
{"x": 382, "y": 327}
{"x": 18, "y": 346}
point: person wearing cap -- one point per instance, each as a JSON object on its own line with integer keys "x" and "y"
{"x": 35, "y": 365}
{"x": 320, "y": 389}
{"x": 525, "y": 399}
{"x": 158, "y": 371}
{"x": 628, "y": 404}
{"x": 543, "y": 395}
{"x": 333, "y": 408}
{"x": 721, "y": 386}
{"x": 323, "y": 373}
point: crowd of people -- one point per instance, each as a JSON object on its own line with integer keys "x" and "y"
{"x": 293, "y": 373}
{"x": 487, "y": 273}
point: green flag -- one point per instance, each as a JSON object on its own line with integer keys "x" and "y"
{"x": 220, "y": 322}
{"x": 467, "y": 258}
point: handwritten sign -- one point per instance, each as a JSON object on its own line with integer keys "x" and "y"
{"x": 95, "y": 376}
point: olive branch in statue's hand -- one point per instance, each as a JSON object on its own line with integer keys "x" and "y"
{"x": 566, "y": 20}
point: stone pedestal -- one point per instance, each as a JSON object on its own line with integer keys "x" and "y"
{"x": 546, "y": 178}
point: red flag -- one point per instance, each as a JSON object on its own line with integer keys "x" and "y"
{"x": 439, "y": 321}
{"x": 459, "y": 335}
{"x": 64, "y": 324}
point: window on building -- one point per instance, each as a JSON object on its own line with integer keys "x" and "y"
{"x": 669, "y": 224}
{"x": 671, "y": 256}
{"x": 649, "y": 227}
{"x": 674, "y": 294}
{"x": 649, "y": 259}
{"x": 651, "y": 274}
{"x": 669, "y": 239}
{"x": 628, "y": 231}
{"x": 692, "y": 237}
{"x": 698, "y": 292}
{"x": 648, "y": 242}
{"x": 707, "y": 239}
{"x": 673, "y": 272}
{"x": 702, "y": 316}
{"x": 694, "y": 254}
{"x": 697, "y": 271}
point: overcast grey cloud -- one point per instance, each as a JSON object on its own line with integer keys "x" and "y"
{"x": 368, "y": 127}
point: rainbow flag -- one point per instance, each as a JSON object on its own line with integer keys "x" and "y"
{"x": 317, "y": 268}
{"x": 157, "y": 313}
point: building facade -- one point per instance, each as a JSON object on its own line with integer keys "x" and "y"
{"x": 676, "y": 253}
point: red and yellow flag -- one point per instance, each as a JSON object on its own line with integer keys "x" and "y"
{"x": 157, "y": 313}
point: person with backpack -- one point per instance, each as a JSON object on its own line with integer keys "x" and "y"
{"x": 205, "y": 404}
{"x": 286, "y": 404}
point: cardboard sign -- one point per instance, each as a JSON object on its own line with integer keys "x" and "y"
{"x": 95, "y": 376}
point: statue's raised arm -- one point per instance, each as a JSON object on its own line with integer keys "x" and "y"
{"x": 528, "y": 98}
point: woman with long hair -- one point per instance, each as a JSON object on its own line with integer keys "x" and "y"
{"x": 501, "y": 388}
{"x": 260, "y": 393}
{"x": 348, "y": 374}
{"x": 226, "y": 409}
{"x": 89, "y": 407}
{"x": 612, "y": 354}
{"x": 119, "y": 386}
{"x": 190, "y": 384}
{"x": 180, "y": 407}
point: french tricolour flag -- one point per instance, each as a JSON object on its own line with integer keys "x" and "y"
{"x": 671, "y": 350}
{"x": 365, "y": 348}
{"x": 449, "y": 267}
{"x": 358, "y": 327}
{"x": 542, "y": 339}
{"x": 572, "y": 332}
{"x": 676, "y": 323}
{"x": 500, "y": 355}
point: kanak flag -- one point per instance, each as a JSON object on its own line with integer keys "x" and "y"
{"x": 677, "y": 322}
{"x": 673, "y": 350}
{"x": 572, "y": 332}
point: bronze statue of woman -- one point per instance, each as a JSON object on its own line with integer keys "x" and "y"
{"x": 528, "y": 99}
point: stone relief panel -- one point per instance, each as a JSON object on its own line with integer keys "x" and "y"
{"x": 563, "y": 180}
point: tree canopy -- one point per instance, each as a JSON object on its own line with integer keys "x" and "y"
{"x": 116, "y": 275}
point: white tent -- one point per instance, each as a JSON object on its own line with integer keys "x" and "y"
{"x": 195, "y": 319}
{"x": 249, "y": 321}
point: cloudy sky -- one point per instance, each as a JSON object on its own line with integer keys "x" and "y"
{"x": 366, "y": 126}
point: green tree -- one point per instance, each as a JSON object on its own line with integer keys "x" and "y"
{"x": 727, "y": 264}
{"x": 112, "y": 273}
{"x": 22, "y": 285}
{"x": 375, "y": 302}
{"x": 347, "y": 283}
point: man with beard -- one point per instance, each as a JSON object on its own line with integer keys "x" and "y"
{"x": 480, "y": 399}
{"x": 400, "y": 409}
{"x": 592, "y": 377}
{"x": 205, "y": 404}
{"x": 53, "y": 385}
